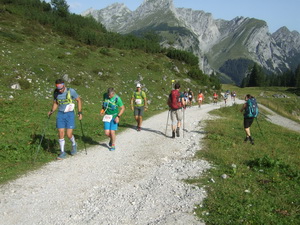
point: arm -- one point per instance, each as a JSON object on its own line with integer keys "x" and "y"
{"x": 54, "y": 107}
{"x": 244, "y": 107}
{"x": 79, "y": 104}
{"x": 183, "y": 102}
{"x": 120, "y": 114}
{"x": 145, "y": 101}
{"x": 131, "y": 102}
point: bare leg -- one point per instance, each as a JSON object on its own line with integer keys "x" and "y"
{"x": 61, "y": 133}
{"x": 247, "y": 130}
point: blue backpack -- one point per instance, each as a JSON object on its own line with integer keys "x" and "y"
{"x": 252, "y": 108}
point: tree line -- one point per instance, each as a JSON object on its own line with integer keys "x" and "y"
{"x": 257, "y": 77}
{"x": 84, "y": 29}
{"x": 88, "y": 31}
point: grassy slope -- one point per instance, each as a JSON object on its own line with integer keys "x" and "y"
{"x": 31, "y": 51}
{"x": 262, "y": 185}
{"x": 288, "y": 107}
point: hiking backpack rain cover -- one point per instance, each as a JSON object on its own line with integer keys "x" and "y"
{"x": 174, "y": 100}
{"x": 252, "y": 108}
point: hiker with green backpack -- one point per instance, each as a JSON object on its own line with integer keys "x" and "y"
{"x": 112, "y": 110}
{"x": 250, "y": 110}
{"x": 139, "y": 105}
{"x": 64, "y": 101}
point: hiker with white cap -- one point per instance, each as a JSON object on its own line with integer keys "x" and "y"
{"x": 139, "y": 105}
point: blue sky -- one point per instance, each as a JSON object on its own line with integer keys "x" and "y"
{"x": 276, "y": 13}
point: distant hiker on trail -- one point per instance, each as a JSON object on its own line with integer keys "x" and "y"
{"x": 250, "y": 109}
{"x": 138, "y": 105}
{"x": 233, "y": 95}
{"x": 64, "y": 100}
{"x": 225, "y": 97}
{"x": 111, "y": 115}
{"x": 186, "y": 97}
{"x": 191, "y": 97}
{"x": 215, "y": 97}
{"x": 200, "y": 98}
{"x": 176, "y": 102}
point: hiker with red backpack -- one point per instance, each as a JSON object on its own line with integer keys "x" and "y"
{"x": 176, "y": 103}
{"x": 250, "y": 110}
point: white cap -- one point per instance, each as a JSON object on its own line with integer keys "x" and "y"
{"x": 138, "y": 85}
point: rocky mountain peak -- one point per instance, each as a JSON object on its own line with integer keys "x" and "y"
{"x": 288, "y": 40}
{"x": 149, "y": 7}
{"x": 214, "y": 41}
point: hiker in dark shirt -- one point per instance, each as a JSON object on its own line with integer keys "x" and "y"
{"x": 248, "y": 119}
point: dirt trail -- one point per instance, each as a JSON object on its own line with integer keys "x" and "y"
{"x": 280, "y": 120}
{"x": 139, "y": 183}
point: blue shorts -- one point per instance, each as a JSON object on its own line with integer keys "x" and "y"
{"x": 112, "y": 125}
{"x": 65, "y": 120}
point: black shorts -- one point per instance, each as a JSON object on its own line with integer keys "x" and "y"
{"x": 138, "y": 111}
{"x": 248, "y": 122}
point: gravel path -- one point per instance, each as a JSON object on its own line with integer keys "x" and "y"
{"x": 139, "y": 183}
{"x": 280, "y": 120}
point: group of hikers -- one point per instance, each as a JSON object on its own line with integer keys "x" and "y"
{"x": 112, "y": 109}
{"x": 225, "y": 96}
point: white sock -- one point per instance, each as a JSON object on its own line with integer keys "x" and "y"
{"x": 62, "y": 144}
{"x": 72, "y": 139}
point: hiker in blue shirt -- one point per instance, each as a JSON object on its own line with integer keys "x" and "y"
{"x": 64, "y": 101}
{"x": 248, "y": 117}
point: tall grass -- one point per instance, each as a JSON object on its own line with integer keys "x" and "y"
{"x": 288, "y": 107}
{"x": 250, "y": 184}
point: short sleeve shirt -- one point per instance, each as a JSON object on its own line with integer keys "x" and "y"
{"x": 63, "y": 96}
{"x": 139, "y": 98}
{"x": 112, "y": 104}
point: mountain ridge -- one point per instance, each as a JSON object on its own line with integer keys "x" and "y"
{"x": 213, "y": 41}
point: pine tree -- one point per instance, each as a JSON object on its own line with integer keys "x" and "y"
{"x": 257, "y": 77}
{"x": 61, "y": 7}
{"x": 297, "y": 76}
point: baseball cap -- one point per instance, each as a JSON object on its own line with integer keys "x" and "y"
{"x": 138, "y": 85}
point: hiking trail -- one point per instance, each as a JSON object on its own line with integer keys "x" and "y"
{"x": 141, "y": 182}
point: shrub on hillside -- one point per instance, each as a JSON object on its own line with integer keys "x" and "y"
{"x": 184, "y": 56}
{"x": 154, "y": 67}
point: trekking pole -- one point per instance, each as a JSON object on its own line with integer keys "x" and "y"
{"x": 43, "y": 135}
{"x": 82, "y": 137}
{"x": 259, "y": 127}
{"x": 167, "y": 123}
{"x": 183, "y": 122}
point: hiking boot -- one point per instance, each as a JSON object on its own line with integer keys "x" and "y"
{"x": 246, "y": 139}
{"x": 74, "y": 149}
{"x": 112, "y": 148}
{"x": 251, "y": 140}
{"x": 62, "y": 155}
{"x": 177, "y": 132}
{"x": 173, "y": 134}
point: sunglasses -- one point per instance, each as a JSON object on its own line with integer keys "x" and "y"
{"x": 60, "y": 86}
